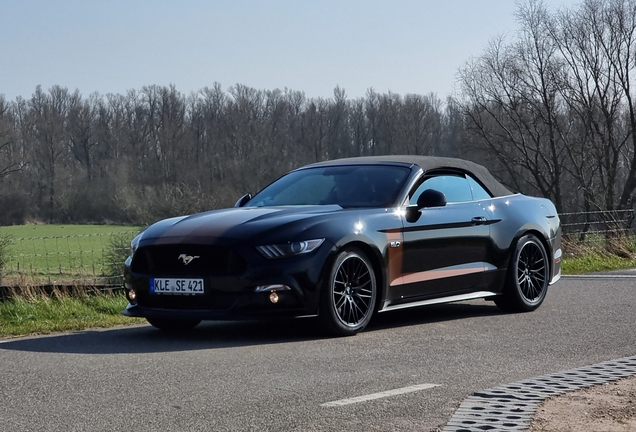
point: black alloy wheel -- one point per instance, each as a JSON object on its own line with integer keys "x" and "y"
{"x": 528, "y": 276}
{"x": 349, "y": 295}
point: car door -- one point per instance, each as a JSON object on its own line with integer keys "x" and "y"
{"x": 444, "y": 248}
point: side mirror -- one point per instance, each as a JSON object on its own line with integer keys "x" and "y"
{"x": 243, "y": 200}
{"x": 431, "y": 198}
{"x": 428, "y": 198}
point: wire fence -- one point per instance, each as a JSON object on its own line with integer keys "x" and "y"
{"x": 84, "y": 259}
{"x": 607, "y": 232}
{"x": 583, "y": 224}
{"x": 97, "y": 259}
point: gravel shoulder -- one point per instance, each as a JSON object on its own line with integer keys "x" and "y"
{"x": 609, "y": 407}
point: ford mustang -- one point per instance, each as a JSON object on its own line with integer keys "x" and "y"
{"x": 345, "y": 239}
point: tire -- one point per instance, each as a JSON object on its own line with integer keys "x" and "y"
{"x": 172, "y": 325}
{"x": 528, "y": 277}
{"x": 349, "y": 294}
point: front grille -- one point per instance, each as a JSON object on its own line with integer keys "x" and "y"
{"x": 170, "y": 260}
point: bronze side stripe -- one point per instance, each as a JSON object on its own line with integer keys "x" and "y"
{"x": 443, "y": 273}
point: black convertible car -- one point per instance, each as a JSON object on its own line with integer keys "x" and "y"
{"x": 345, "y": 239}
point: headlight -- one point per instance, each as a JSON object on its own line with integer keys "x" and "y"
{"x": 289, "y": 249}
{"x": 134, "y": 244}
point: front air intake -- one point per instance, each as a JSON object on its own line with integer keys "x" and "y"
{"x": 193, "y": 260}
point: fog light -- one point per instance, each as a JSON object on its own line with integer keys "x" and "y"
{"x": 132, "y": 296}
{"x": 273, "y": 297}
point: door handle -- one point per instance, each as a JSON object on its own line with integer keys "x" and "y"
{"x": 478, "y": 220}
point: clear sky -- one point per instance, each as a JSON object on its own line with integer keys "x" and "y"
{"x": 111, "y": 46}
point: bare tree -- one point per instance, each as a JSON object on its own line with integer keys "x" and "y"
{"x": 510, "y": 95}
{"x": 10, "y": 158}
{"x": 555, "y": 105}
{"x": 420, "y": 124}
{"x": 46, "y": 130}
{"x": 596, "y": 43}
{"x": 82, "y": 115}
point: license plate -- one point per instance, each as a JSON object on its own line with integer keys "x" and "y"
{"x": 176, "y": 286}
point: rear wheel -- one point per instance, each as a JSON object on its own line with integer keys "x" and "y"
{"x": 348, "y": 295}
{"x": 528, "y": 277}
{"x": 172, "y": 324}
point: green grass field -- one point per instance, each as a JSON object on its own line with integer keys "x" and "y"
{"x": 62, "y": 251}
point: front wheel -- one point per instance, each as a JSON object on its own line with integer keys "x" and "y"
{"x": 348, "y": 295}
{"x": 173, "y": 325}
{"x": 528, "y": 277}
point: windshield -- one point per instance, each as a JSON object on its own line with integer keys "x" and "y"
{"x": 347, "y": 186}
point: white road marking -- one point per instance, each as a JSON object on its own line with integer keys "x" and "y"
{"x": 380, "y": 395}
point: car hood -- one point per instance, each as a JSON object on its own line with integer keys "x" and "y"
{"x": 239, "y": 223}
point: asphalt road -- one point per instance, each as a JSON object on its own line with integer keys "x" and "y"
{"x": 285, "y": 376}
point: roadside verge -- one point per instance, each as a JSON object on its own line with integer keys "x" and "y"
{"x": 511, "y": 407}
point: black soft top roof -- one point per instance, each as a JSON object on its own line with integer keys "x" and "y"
{"x": 428, "y": 163}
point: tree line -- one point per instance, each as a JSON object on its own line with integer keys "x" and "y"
{"x": 550, "y": 111}
{"x": 158, "y": 152}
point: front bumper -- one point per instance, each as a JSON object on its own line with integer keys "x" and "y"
{"x": 557, "y": 254}
{"x": 136, "y": 311}
{"x": 295, "y": 280}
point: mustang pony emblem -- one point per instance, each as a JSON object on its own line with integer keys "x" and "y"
{"x": 187, "y": 259}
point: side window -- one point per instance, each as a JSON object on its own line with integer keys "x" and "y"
{"x": 479, "y": 192}
{"x": 454, "y": 186}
